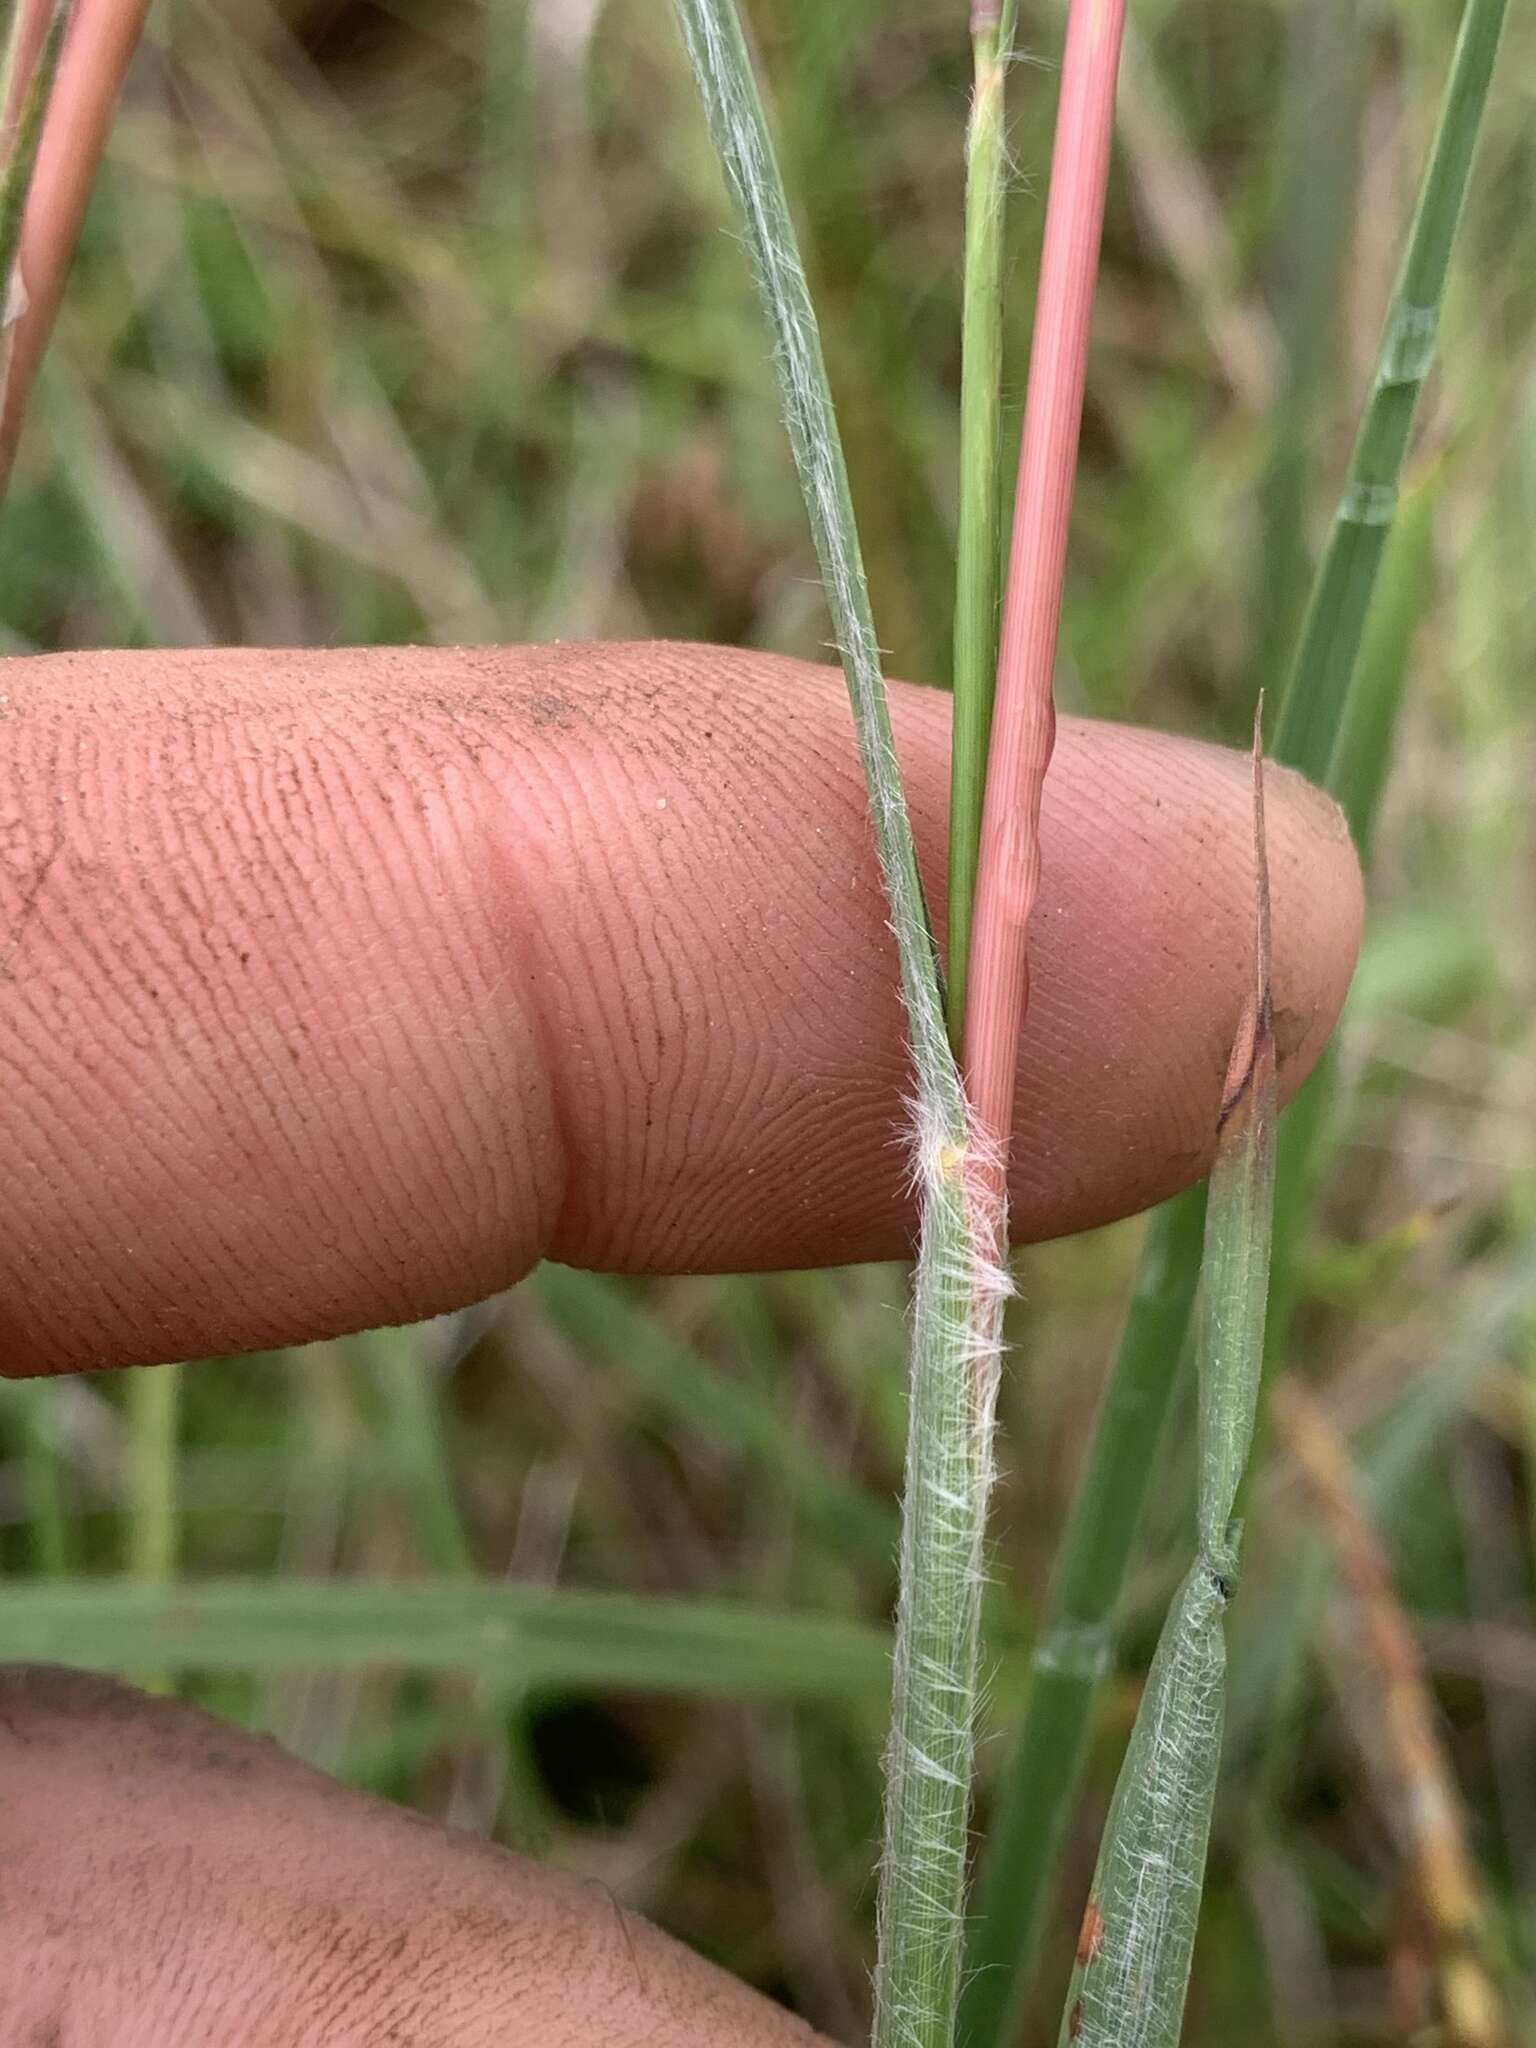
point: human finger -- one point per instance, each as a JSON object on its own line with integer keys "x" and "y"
{"x": 173, "y": 1880}
{"x": 337, "y": 988}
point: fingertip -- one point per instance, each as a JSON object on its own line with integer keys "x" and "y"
{"x": 1141, "y": 956}
{"x": 1318, "y": 917}
{"x": 1142, "y": 951}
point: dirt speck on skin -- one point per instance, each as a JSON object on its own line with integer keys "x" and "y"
{"x": 549, "y": 711}
{"x": 1292, "y": 1029}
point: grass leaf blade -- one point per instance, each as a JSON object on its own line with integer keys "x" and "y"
{"x": 1132, "y": 1970}
{"x": 522, "y": 1635}
{"x": 718, "y": 52}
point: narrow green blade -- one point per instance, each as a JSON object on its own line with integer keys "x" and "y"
{"x": 1132, "y": 1970}
{"x": 525, "y": 1636}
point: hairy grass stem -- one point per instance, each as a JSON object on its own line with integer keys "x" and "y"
{"x": 1132, "y": 1970}
{"x": 1023, "y": 728}
{"x": 1075, "y": 1648}
{"x": 960, "y": 1282}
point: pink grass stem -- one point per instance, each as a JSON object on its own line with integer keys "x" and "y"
{"x": 1024, "y": 720}
{"x": 98, "y": 45}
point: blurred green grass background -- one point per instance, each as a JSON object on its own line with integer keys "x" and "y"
{"x": 422, "y": 322}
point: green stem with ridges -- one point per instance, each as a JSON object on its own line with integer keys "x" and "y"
{"x": 1335, "y": 620}
{"x": 978, "y": 561}
{"x": 410, "y": 1398}
{"x": 153, "y": 1418}
{"x": 1321, "y": 150}
{"x": 153, "y": 1405}
{"x": 50, "y": 1533}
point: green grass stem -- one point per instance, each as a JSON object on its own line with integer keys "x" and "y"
{"x": 1321, "y": 149}
{"x": 1340, "y": 711}
{"x": 152, "y": 1418}
{"x": 1362, "y": 748}
{"x": 50, "y": 1530}
{"x": 1313, "y": 704}
{"x": 1348, "y": 683}
{"x": 410, "y": 1402}
{"x": 1357, "y": 772}
{"x": 978, "y": 565}
{"x": 152, "y": 1412}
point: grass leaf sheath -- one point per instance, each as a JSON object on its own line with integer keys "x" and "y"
{"x": 718, "y": 52}
{"x": 1075, "y": 1648}
{"x": 1138, "y": 1933}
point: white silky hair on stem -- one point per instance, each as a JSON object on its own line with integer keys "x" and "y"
{"x": 960, "y": 1288}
